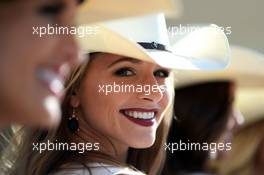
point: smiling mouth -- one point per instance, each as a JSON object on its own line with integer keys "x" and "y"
{"x": 52, "y": 81}
{"x": 143, "y": 117}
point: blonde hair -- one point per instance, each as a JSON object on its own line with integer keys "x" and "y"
{"x": 149, "y": 160}
{"x": 8, "y": 145}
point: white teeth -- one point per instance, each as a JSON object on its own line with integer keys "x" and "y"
{"x": 135, "y": 114}
{"x": 130, "y": 113}
{"x": 140, "y": 115}
{"x": 52, "y": 79}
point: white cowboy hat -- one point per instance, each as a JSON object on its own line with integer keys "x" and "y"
{"x": 146, "y": 38}
{"x": 246, "y": 70}
{"x": 98, "y": 10}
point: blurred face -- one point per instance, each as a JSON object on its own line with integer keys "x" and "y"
{"x": 235, "y": 119}
{"x": 127, "y": 118}
{"x": 33, "y": 68}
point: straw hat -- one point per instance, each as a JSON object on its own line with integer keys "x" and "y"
{"x": 98, "y": 10}
{"x": 246, "y": 69}
{"x": 146, "y": 38}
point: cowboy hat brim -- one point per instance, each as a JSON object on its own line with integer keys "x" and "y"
{"x": 109, "y": 41}
{"x": 245, "y": 68}
{"x": 206, "y": 47}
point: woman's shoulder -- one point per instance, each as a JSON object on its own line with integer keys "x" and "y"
{"x": 96, "y": 169}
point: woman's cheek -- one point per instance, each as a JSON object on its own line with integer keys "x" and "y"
{"x": 167, "y": 97}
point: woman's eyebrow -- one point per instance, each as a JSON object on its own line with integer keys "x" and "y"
{"x": 122, "y": 59}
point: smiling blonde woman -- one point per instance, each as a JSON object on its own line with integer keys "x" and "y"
{"x": 123, "y": 132}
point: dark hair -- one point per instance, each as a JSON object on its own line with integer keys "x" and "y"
{"x": 201, "y": 114}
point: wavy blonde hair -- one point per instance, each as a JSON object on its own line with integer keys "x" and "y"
{"x": 149, "y": 160}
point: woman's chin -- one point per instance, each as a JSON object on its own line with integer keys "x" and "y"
{"x": 53, "y": 112}
{"x": 143, "y": 144}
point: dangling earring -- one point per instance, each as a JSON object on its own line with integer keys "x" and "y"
{"x": 73, "y": 123}
{"x": 176, "y": 118}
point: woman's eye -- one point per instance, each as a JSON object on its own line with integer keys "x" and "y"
{"x": 124, "y": 72}
{"x": 51, "y": 9}
{"x": 161, "y": 73}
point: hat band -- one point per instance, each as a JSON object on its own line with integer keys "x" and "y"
{"x": 154, "y": 46}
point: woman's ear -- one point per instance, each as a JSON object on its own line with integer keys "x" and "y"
{"x": 75, "y": 100}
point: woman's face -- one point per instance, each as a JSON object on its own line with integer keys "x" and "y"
{"x": 127, "y": 117}
{"x": 33, "y": 68}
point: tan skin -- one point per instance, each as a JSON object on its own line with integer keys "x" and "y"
{"x": 25, "y": 97}
{"x": 101, "y": 118}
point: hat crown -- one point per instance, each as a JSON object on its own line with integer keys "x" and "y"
{"x": 146, "y": 38}
{"x": 151, "y": 28}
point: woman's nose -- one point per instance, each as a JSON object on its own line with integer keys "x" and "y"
{"x": 151, "y": 90}
{"x": 68, "y": 50}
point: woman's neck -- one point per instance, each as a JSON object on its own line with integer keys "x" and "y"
{"x": 107, "y": 146}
